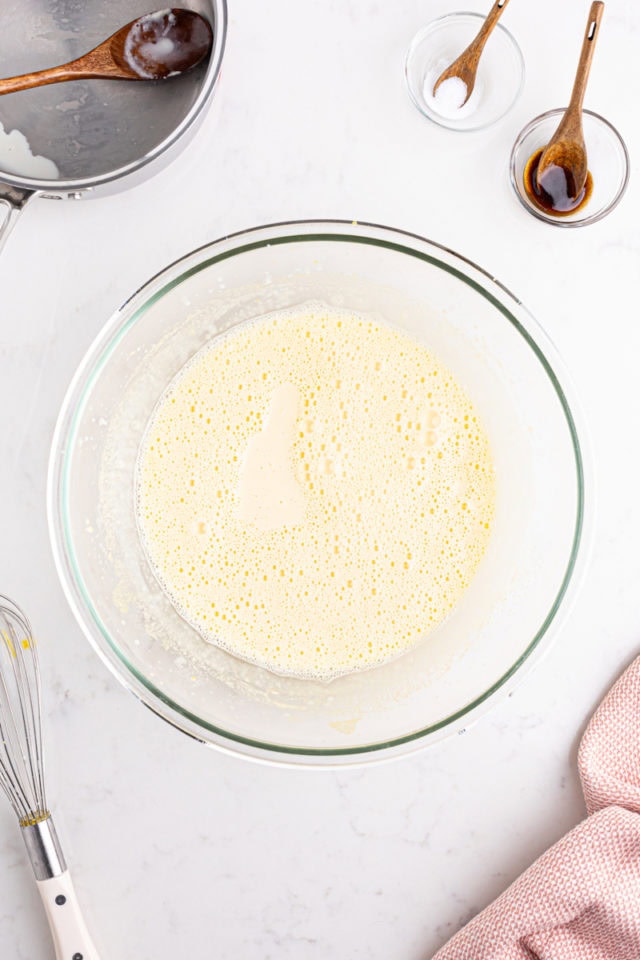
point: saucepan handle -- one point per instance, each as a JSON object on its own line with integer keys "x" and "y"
{"x": 12, "y": 201}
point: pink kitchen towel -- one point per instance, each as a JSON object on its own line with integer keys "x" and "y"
{"x": 581, "y": 899}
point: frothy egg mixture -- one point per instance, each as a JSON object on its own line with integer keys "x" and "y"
{"x": 315, "y": 492}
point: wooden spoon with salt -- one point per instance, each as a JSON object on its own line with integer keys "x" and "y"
{"x": 465, "y": 67}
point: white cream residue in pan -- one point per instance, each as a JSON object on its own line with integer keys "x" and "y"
{"x": 17, "y": 157}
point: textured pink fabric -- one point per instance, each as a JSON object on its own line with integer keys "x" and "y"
{"x": 581, "y": 899}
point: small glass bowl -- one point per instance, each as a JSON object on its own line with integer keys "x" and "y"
{"x": 499, "y": 80}
{"x": 607, "y": 158}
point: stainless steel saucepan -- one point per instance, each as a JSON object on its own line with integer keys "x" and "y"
{"x": 102, "y": 135}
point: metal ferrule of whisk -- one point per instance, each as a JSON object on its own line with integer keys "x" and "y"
{"x": 43, "y": 847}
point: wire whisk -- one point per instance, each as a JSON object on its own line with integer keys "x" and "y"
{"x": 22, "y": 779}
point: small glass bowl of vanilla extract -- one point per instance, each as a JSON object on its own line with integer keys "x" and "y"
{"x": 608, "y": 163}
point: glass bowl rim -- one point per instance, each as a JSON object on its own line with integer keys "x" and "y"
{"x": 560, "y": 221}
{"x": 423, "y": 32}
{"x": 96, "y": 357}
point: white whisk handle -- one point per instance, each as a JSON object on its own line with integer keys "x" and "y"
{"x": 70, "y": 935}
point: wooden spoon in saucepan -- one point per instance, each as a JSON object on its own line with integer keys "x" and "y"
{"x": 153, "y": 47}
{"x": 465, "y": 66}
{"x": 562, "y": 168}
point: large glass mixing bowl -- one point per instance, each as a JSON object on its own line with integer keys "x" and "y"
{"x": 512, "y": 607}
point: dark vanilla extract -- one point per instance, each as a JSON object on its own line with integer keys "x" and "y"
{"x": 551, "y": 192}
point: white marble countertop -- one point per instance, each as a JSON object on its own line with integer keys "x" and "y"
{"x": 179, "y": 851}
